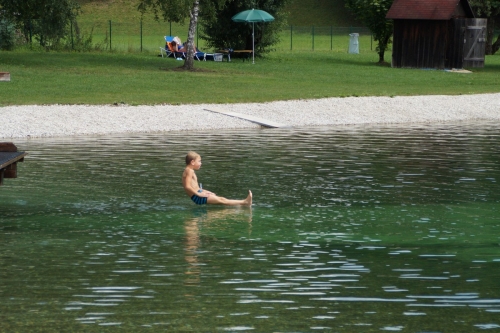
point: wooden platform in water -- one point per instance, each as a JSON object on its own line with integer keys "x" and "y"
{"x": 9, "y": 156}
{"x": 257, "y": 120}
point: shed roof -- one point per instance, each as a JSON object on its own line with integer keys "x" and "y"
{"x": 428, "y": 9}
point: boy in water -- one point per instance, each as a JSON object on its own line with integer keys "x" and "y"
{"x": 200, "y": 196}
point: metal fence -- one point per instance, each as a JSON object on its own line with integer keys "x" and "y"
{"x": 149, "y": 36}
{"x": 320, "y": 37}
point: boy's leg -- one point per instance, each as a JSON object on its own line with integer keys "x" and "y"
{"x": 216, "y": 200}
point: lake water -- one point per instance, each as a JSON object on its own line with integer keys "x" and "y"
{"x": 353, "y": 229}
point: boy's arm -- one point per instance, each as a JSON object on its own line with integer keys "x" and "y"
{"x": 205, "y": 193}
{"x": 187, "y": 183}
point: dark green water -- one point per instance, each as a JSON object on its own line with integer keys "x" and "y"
{"x": 353, "y": 229}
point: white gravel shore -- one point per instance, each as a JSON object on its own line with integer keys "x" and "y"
{"x": 66, "y": 120}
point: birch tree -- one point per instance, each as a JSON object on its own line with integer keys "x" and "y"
{"x": 177, "y": 11}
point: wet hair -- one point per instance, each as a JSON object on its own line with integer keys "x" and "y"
{"x": 191, "y": 156}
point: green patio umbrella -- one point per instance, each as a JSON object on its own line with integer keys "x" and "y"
{"x": 253, "y": 15}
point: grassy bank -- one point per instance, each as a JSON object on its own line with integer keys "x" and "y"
{"x": 117, "y": 22}
{"x": 103, "y": 78}
{"x": 301, "y": 12}
{"x": 128, "y": 33}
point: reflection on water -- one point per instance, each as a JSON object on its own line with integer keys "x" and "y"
{"x": 355, "y": 229}
{"x": 211, "y": 218}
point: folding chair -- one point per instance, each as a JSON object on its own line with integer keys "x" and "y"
{"x": 167, "y": 50}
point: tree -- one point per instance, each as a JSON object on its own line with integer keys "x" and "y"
{"x": 7, "y": 37}
{"x": 221, "y": 32}
{"x": 372, "y": 13}
{"x": 47, "y": 20}
{"x": 177, "y": 11}
{"x": 489, "y": 9}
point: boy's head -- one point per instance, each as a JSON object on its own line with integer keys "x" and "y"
{"x": 191, "y": 156}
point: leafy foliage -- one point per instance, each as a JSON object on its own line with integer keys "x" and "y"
{"x": 221, "y": 32}
{"x": 372, "y": 13}
{"x": 7, "y": 34}
{"x": 485, "y": 8}
{"x": 47, "y": 20}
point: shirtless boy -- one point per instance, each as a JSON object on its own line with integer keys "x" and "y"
{"x": 201, "y": 196}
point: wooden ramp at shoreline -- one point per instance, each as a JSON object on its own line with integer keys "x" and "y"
{"x": 9, "y": 156}
{"x": 257, "y": 120}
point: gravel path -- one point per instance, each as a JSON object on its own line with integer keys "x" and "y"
{"x": 65, "y": 120}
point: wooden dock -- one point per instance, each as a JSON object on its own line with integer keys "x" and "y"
{"x": 9, "y": 156}
{"x": 260, "y": 121}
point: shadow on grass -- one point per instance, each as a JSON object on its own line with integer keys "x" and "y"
{"x": 488, "y": 68}
{"x": 70, "y": 61}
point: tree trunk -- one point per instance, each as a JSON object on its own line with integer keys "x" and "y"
{"x": 382, "y": 46}
{"x": 381, "y": 59}
{"x": 490, "y": 29}
{"x": 189, "y": 62}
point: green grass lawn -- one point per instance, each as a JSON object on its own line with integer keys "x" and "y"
{"x": 145, "y": 78}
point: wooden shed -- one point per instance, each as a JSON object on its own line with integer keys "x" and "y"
{"x": 436, "y": 34}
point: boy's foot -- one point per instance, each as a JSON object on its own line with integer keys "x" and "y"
{"x": 248, "y": 200}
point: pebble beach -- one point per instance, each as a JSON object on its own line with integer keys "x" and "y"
{"x": 32, "y": 121}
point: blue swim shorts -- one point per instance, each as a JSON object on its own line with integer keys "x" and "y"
{"x": 199, "y": 200}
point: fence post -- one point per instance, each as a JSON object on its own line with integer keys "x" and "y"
{"x": 291, "y": 34}
{"x": 331, "y": 38}
{"x": 110, "y": 35}
{"x": 141, "y": 34}
{"x": 31, "y": 35}
{"x": 313, "y": 37}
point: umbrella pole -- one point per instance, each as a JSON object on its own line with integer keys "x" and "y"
{"x": 253, "y": 43}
